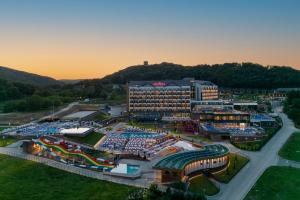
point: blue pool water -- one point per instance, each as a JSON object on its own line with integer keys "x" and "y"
{"x": 139, "y": 135}
{"x": 132, "y": 169}
{"x": 126, "y": 169}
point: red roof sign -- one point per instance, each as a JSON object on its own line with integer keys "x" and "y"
{"x": 159, "y": 84}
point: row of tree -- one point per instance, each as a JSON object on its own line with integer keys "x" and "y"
{"x": 23, "y": 97}
{"x": 292, "y": 106}
{"x": 153, "y": 193}
{"x": 10, "y": 90}
{"x": 231, "y": 75}
{"x": 34, "y": 103}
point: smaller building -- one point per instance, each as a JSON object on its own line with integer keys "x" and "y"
{"x": 234, "y": 134}
{"x": 222, "y": 117}
{"x": 262, "y": 120}
{"x": 187, "y": 163}
{"x": 245, "y": 105}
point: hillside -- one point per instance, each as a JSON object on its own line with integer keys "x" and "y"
{"x": 244, "y": 75}
{"x": 25, "y": 77}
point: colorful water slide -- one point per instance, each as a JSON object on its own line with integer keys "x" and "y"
{"x": 88, "y": 158}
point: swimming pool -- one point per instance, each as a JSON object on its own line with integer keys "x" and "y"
{"x": 126, "y": 169}
{"x": 140, "y": 135}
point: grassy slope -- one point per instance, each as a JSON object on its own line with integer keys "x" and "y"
{"x": 91, "y": 138}
{"x": 6, "y": 141}
{"x": 20, "y": 179}
{"x": 291, "y": 149}
{"x": 277, "y": 183}
{"x": 202, "y": 183}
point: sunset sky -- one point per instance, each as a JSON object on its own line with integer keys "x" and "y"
{"x": 70, "y": 39}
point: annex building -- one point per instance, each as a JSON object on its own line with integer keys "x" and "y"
{"x": 177, "y": 166}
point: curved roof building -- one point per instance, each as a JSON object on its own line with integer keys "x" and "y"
{"x": 185, "y": 163}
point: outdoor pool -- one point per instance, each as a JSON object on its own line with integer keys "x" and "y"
{"x": 126, "y": 169}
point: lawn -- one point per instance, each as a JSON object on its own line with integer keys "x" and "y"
{"x": 7, "y": 141}
{"x": 291, "y": 149}
{"x": 101, "y": 116}
{"x": 198, "y": 137}
{"x": 236, "y": 163}
{"x": 2, "y": 128}
{"x": 26, "y": 180}
{"x": 91, "y": 138}
{"x": 143, "y": 125}
{"x": 277, "y": 183}
{"x": 201, "y": 184}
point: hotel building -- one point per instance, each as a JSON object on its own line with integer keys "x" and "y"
{"x": 172, "y": 98}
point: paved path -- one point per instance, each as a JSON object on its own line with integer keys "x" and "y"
{"x": 290, "y": 163}
{"x": 241, "y": 184}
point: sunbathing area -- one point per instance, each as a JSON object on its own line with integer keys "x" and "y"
{"x": 41, "y": 129}
{"x": 137, "y": 142}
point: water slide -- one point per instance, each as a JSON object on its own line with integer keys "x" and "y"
{"x": 88, "y": 158}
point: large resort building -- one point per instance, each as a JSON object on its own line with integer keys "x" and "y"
{"x": 192, "y": 103}
{"x": 164, "y": 99}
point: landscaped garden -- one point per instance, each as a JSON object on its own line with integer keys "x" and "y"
{"x": 91, "y": 138}
{"x": 201, "y": 184}
{"x": 26, "y": 180}
{"x": 236, "y": 163}
{"x": 282, "y": 183}
{"x": 291, "y": 149}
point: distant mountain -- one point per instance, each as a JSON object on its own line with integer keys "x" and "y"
{"x": 25, "y": 77}
{"x": 234, "y": 75}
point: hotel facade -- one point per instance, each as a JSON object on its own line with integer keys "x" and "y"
{"x": 165, "y": 99}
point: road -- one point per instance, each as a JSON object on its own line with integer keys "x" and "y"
{"x": 241, "y": 184}
{"x": 61, "y": 110}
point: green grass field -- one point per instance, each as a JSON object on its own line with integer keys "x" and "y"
{"x": 26, "y": 180}
{"x": 91, "y": 138}
{"x": 237, "y": 162}
{"x": 101, "y": 116}
{"x": 202, "y": 184}
{"x": 198, "y": 137}
{"x": 2, "y": 128}
{"x": 7, "y": 141}
{"x": 277, "y": 183}
{"x": 291, "y": 149}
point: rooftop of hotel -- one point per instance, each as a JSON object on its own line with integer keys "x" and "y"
{"x": 179, "y": 160}
{"x": 164, "y": 83}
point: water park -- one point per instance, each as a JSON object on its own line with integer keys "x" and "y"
{"x": 77, "y": 155}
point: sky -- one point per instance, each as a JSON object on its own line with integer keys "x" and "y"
{"x": 74, "y": 39}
